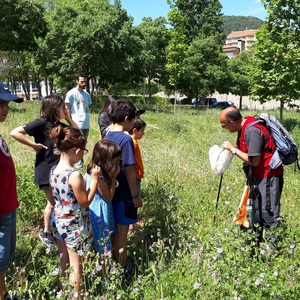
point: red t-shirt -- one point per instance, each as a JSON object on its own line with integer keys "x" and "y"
{"x": 8, "y": 182}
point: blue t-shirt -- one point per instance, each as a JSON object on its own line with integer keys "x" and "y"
{"x": 79, "y": 107}
{"x": 124, "y": 140}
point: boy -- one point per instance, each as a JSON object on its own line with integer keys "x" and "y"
{"x": 127, "y": 198}
{"x": 8, "y": 196}
{"x": 136, "y": 133}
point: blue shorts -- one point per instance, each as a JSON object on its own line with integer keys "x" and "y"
{"x": 124, "y": 214}
{"x": 7, "y": 239}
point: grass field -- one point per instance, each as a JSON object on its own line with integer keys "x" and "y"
{"x": 186, "y": 249}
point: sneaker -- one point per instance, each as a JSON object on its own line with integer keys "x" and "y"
{"x": 47, "y": 238}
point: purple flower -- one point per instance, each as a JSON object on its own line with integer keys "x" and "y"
{"x": 196, "y": 285}
{"x": 135, "y": 290}
{"x": 99, "y": 268}
{"x": 74, "y": 294}
{"x": 56, "y": 271}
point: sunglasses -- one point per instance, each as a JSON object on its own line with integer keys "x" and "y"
{"x": 85, "y": 151}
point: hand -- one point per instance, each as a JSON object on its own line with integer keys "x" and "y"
{"x": 137, "y": 202}
{"x": 67, "y": 113}
{"x": 227, "y": 145}
{"x": 39, "y": 147}
{"x": 96, "y": 171}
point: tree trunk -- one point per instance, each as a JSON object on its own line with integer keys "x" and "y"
{"x": 149, "y": 91}
{"x": 241, "y": 101}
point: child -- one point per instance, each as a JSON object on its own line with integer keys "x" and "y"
{"x": 136, "y": 133}
{"x": 127, "y": 198}
{"x": 106, "y": 155}
{"x": 52, "y": 111}
{"x": 71, "y": 224}
{"x": 8, "y": 196}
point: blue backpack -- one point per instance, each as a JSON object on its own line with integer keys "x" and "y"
{"x": 286, "y": 148}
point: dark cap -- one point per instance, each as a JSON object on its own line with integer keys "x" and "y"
{"x": 139, "y": 111}
{"x": 6, "y": 95}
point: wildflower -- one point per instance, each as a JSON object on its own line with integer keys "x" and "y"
{"x": 237, "y": 281}
{"x": 219, "y": 250}
{"x": 242, "y": 248}
{"x": 99, "y": 268}
{"x": 56, "y": 271}
{"x": 262, "y": 251}
{"x": 193, "y": 239}
{"x": 118, "y": 297}
{"x": 61, "y": 255}
{"x": 200, "y": 247}
{"x": 102, "y": 298}
{"x": 74, "y": 294}
{"x": 59, "y": 294}
{"x": 135, "y": 290}
{"x": 171, "y": 197}
{"x": 80, "y": 252}
{"x": 107, "y": 252}
{"x": 292, "y": 246}
{"x": 196, "y": 285}
{"x": 257, "y": 282}
{"x": 237, "y": 298}
{"x": 275, "y": 273}
{"x": 227, "y": 202}
{"x": 229, "y": 190}
{"x": 226, "y": 230}
{"x": 261, "y": 275}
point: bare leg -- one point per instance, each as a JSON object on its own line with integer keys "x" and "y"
{"x": 121, "y": 244}
{"x": 48, "y": 210}
{"x": 3, "y": 289}
{"x": 75, "y": 277}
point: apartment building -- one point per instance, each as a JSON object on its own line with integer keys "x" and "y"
{"x": 238, "y": 41}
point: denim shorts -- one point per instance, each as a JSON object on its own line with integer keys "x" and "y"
{"x": 7, "y": 239}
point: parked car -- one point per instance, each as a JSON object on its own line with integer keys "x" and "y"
{"x": 205, "y": 101}
{"x": 221, "y": 104}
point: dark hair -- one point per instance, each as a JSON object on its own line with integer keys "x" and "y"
{"x": 103, "y": 153}
{"x": 81, "y": 75}
{"x": 120, "y": 109}
{"x": 233, "y": 115}
{"x": 138, "y": 124}
{"x": 50, "y": 107}
{"x": 108, "y": 102}
{"x": 67, "y": 138}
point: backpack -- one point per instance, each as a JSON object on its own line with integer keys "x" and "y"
{"x": 286, "y": 148}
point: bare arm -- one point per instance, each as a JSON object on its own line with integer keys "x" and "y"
{"x": 131, "y": 179}
{"x": 20, "y": 135}
{"x": 68, "y": 117}
{"x": 242, "y": 155}
{"x": 77, "y": 183}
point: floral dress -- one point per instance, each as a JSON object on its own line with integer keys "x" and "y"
{"x": 71, "y": 222}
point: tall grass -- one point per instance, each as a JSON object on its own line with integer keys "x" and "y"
{"x": 186, "y": 249}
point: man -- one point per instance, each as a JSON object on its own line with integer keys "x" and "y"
{"x": 8, "y": 196}
{"x": 255, "y": 147}
{"x": 78, "y": 102}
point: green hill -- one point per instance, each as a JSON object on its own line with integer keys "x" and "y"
{"x": 238, "y": 23}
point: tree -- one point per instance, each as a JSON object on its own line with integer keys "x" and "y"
{"x": 276, "y": 55}
{"x": 204, "y": 67}
{"x": 239, "y": 67}
{"x": 154, "y": 42}
{"x": 22, "y": 22}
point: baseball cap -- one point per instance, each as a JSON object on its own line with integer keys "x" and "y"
{"x": 6, "y": 95}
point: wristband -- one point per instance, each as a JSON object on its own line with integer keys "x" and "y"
{"x": 135, "y": 196}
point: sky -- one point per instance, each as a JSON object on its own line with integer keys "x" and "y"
{"x": 159, "y": 8}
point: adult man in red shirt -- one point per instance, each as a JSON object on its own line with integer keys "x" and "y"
{"x": 8, "y": 196}
{"x": 254, "y": 147}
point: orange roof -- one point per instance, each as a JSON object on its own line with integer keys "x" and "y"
{"x": 249, "y": 32}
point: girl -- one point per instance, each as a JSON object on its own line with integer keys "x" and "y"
{"x": 52, "y": 111}
{"x": 106, "y": 155}
{"x": 71, "y": 224}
